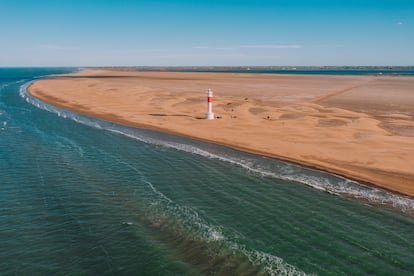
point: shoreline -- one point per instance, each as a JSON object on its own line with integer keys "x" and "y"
{"x": 356, "y": 175}
{"x": 234, "y": 147}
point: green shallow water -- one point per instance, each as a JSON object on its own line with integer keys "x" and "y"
{"x": 81, "y": 196}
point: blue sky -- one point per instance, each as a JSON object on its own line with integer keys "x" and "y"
{"x": 206, "y": 33}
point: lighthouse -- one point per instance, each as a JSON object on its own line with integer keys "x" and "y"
{"x": 209, "y": 113}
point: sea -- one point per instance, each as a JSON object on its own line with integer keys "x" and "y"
{"x": 80, "y": 196}
{"x": 344, "y": 71}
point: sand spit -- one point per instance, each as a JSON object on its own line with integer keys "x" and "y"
{"x": 357, "y": 126}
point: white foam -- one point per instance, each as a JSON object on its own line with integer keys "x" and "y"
{"x": 215, "y": 235}
{"x": 190, "y": 219}
{"x": 5, "y": 85}
{"x": 73, "y": 144}
{"x": 285, "y": 171}
{"x": 273, "y": 265}
{"x": 157, "y": 191}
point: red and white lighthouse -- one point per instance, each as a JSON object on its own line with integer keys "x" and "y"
{"x": 209, "y": 113}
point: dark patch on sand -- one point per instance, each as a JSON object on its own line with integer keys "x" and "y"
{"x": 331, "y": 123}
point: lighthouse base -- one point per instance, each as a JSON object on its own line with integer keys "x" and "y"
{"x": 209, "y": 116}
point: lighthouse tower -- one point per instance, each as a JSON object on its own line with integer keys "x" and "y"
{"x": 209, "y": 113}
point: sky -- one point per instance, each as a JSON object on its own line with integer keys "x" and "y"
{"x": 206, "y": 32}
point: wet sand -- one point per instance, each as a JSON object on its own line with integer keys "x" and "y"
{"x": 361, "y": 127}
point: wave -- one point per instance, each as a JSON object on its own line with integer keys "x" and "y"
{"x": 326, "y": 182}
{"x": 184, "y": 222}
{"x": 2, "y": 86}
{"x": 336, "y": 185}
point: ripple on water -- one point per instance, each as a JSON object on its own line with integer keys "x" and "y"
{"x": 102, "y": 199}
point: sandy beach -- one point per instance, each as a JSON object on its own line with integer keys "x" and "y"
{"x": 361, "y": 127}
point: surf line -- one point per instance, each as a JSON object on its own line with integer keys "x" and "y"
{"x": 341, "y": 187}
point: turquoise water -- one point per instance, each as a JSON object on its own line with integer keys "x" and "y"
{"x": 81, "y": 196}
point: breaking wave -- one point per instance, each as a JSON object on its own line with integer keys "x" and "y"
{"x": 261, "y": 166}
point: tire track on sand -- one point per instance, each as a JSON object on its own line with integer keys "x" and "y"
{"x": 337, "y": 93}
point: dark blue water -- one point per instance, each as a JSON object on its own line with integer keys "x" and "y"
{"x": 370, "y": 72}
{"x": 81, "y": 196}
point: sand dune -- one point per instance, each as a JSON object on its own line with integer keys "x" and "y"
{"x": 358, "y": 126}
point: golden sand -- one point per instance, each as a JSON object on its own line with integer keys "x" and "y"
{"x": 361, "y": 127}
